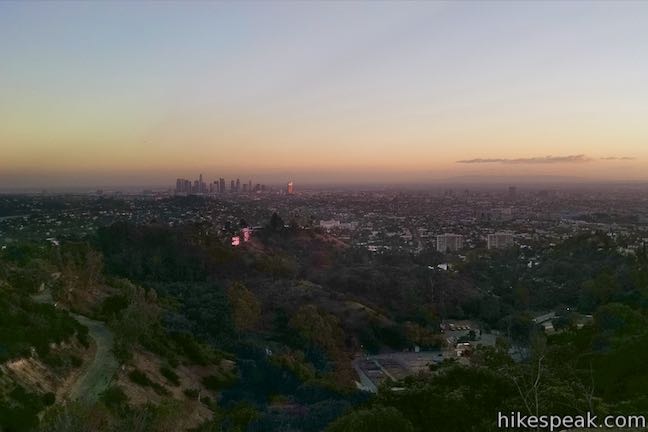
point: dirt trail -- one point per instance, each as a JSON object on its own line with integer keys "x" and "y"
{"x": 95, "y": 376}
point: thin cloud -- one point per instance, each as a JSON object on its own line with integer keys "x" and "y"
{"x": 534, "y": 160}
{"x": 612, "y": 158}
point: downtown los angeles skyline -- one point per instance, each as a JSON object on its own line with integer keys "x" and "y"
{"x": 145, "y": 92}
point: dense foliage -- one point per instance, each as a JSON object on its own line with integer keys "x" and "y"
{"x": 274, "y": 324}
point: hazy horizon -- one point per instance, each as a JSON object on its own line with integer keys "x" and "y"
{"x": 140, "y": 93}
{"x": 473, "y": 183}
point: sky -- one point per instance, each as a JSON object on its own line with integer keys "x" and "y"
{"x": 98, "y": 93}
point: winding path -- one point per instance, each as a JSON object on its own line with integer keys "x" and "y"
{"x": 95, "y": 376}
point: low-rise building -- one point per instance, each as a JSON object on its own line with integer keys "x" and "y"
{"x": 449, "y": 242}
{"x": 500, "y": 240}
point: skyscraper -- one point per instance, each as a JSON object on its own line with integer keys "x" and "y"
{"x": 222, "y": 185}
{"x": 200, "y": 184}
{"x": 289, "y": 188}
{"x": 238, "y": 185}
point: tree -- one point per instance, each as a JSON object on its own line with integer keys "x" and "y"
{"x": 618, "y": 319}
{"x": 246, "y": 308}
{"x": 376, "y": 419}
{"x": 276, "y": 223}
{"x": 318, "y": 328}
{"x": 139, "y": 318}
{"x": 453, "y": 399}
{"x": 241, "y": 415}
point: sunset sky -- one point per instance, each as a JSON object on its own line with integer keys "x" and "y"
{"x": 110, "y": 93}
